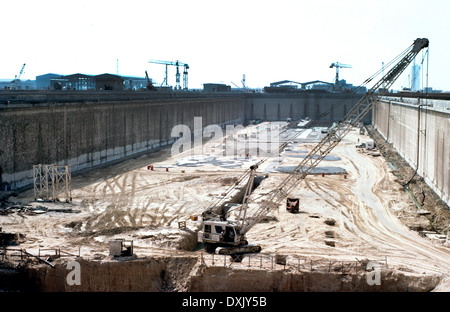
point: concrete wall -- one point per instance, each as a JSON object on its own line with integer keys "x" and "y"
{"x": 91, "y": 128}
{"x": 281, "y": 106}
{"x": 406, "y": 128}
{"x": 88, "y": 134}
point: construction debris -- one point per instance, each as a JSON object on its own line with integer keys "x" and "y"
{"x": 121, "y": 248}
{"x": 8, "y": 239}
{"x": 27, "y": 209}
{"x": 280, "y": 259}
{"x": 329, "y": 234}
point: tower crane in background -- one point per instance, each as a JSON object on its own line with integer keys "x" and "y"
{"x": 338, "y": 65}
{"x": 229, "y": 236}
{"x": 16, "y": 80}
{"x": 177, "y": 75}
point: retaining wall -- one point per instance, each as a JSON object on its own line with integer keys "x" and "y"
{"x": 181, "y": 274}
{"x": 317, "y": 106}
{"x": 421, "y": 135}
{"x": 88, "y": 129}
{"x": 88, "y": 134}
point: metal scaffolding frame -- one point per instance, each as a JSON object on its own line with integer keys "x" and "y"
{"x": 52, "y": 182}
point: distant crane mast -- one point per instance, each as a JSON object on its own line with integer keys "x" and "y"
{"x": 17, "y": 78}
{"x": 244, "y": 87}
{"x": 243, "y": 82}
{"x": 339, "y": 65}
{"x": 177, "y": 75}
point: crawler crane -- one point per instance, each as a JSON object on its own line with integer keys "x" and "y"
{"x": 230, "y": 234}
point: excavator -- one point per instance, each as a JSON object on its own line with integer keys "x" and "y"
{"x": 227, "y": 235}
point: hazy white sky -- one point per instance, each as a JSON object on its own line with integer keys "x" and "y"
{"x": 222, "y": 40}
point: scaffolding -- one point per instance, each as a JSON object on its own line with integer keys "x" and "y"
{"x": 52, "y": 182}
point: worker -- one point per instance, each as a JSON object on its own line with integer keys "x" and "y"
{"x": 421, "y": 197}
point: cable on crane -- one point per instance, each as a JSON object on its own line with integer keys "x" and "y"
{"x": 406, "y": 185}
{"x": 354, "y": 92}
{"x": 244, "y": 176}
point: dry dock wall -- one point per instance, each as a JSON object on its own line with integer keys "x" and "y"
{"x": 421, "y": 135}
{"x": 87, "y": 129}
{"x": 87, "y": 134}
{"x": 317, "y": 106}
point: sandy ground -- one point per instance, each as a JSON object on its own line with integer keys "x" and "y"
{"x": 130, "y": 201}
{"x": 365, "y": 204}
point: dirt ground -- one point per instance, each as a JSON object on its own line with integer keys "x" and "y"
{"x": 373, "y": 216}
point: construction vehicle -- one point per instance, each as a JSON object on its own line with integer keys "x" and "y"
{"x": 120, "y": 247}
{"x": 370, "y": 144}
{"x": 230, "y": 234}
{"x": 215, "y": 216}
{"x": 218, "y": 232}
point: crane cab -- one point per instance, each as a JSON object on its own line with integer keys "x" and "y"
{"x": 219, "y": 232}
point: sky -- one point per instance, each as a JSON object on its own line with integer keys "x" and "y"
{"x": 221, "y": 41}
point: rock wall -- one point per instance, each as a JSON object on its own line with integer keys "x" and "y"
{"x": 159, "y": 274}
{"x": 138, "y": 275}
{"x": 223, "y": 279}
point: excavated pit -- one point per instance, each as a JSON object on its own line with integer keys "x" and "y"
{"x": 145, "y": 206}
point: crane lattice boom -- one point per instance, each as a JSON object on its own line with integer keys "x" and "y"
{"x": 229, "y": 235}
{"x": 336, "y": 134}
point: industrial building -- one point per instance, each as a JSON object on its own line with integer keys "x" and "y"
{"x": 43, "y": 82}
{"x": 109, "y": 82}
{"x": 216, "y": 87}
{"x": 316, "y": 85}
{"x": 88, "y": 82}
